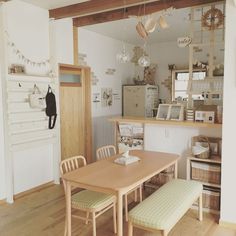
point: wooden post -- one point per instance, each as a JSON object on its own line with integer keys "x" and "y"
{"x": 75, "y": 45}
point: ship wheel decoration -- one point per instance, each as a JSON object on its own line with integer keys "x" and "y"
{"x": 212, "y": 19}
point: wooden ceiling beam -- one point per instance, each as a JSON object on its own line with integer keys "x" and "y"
{"x": 150, "y": 8}
{"x": 93, "y": 7}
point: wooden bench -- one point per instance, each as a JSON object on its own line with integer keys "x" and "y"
{"x": 164, "y": 208}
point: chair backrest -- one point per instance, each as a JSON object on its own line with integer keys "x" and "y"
{"x": 105, "y": 152}
{"x": 71, "y": 164}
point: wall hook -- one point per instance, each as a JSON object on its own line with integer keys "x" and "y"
{"x": 19, "y": 84}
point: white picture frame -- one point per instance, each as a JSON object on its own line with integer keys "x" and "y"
{"x": 176, "y": 112}
{"x": 170, "y": 112}
{"x": 163, "y": 112}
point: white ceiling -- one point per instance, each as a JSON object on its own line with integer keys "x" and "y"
{"x": 51, "y": 4}
{"x": 178, "y": 21}
{"x": 125, "y": 29}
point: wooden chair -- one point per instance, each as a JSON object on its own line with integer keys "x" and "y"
{"x": 106, "y": 152}
{"x": 91, "y": 202}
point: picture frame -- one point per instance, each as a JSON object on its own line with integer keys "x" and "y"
{"x": 163, "y": 112}
{"x": 176, "y": 112}
{"x": 170, "y": 112}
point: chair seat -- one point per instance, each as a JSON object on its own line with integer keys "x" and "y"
{"x": 87, "y": 199}
{"x": 167, "y": 205}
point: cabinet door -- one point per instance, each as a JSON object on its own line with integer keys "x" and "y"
{"x": 151, "y": 100}
{"x": 134, "y": 101}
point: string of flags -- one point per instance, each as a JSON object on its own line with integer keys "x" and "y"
{"x": 22, "y": 57}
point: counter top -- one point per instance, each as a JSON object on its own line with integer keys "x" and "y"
{"x": 154, "y": 121}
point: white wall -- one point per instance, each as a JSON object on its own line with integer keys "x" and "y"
{"x": 101, "y": 54}
{"x": 175, "y": 139}
{"x": 163, "y": 54}
{"x": 28, "y": 28}
{"x": 228, "y": 193}
{"x": 64, "y": 41}
{"x": 2, "y": 153}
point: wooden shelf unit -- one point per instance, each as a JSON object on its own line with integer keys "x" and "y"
{"x": 212, "y": 160}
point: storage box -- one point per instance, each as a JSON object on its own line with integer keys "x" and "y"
{"x": 210, "y": 199}
{"x": 206, "y": 173}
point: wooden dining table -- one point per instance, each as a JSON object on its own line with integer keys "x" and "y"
{"x": 109, "y": 177}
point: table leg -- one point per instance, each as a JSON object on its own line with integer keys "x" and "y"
{"x": 176, "y": 170}
{"x": 68, "y": 208}
{"x": 120, "y": 214}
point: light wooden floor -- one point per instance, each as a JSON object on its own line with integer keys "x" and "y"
{"x": 42, "y": 214}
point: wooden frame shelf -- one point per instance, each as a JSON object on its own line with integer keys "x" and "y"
{"x": 143, "y": 120}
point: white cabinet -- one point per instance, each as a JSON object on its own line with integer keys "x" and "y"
{"x": 139, "y": 100}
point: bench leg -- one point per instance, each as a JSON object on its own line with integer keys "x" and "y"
{"x": 164, "y": 233}
{"x": 130, "y": 229}
{"x": 200, "y": 208}
{"x": 126, "y": 207}
{"x": 140, "y": 193}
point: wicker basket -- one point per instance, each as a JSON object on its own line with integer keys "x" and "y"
{"x": 204, "y": 142}
{"x": 205, "y": 172}
{"x": 210, "y": 199}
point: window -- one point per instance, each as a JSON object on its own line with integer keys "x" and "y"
{"x": 180, "y": 80}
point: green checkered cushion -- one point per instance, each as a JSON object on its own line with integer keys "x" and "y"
{"x": 87, "y": 199}
{"x": 167, "y": 205}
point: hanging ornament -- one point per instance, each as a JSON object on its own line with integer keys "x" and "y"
{"x": 123, "y": 56}
{"x": 144, "y": 61}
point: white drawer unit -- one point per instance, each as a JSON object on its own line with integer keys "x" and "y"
{"x": 140, "y": 100}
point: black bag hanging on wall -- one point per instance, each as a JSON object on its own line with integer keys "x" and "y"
{"x": 51, "y": 109}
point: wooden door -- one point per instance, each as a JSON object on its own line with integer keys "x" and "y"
{"x": 75, "y": 112}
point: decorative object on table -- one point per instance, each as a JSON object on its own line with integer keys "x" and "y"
{"x": 51, "y": 109}
{"x": 16, "y": 69}
{"x": 212, "y": 19}
{"x": 201, "y": 146}
{"x": 184, "y": 42}
{"x": 149, "y": 74}
{"x": 106, "y": 97}
{"x": 37, "y": 99}
{"x": 126, "y": 159}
